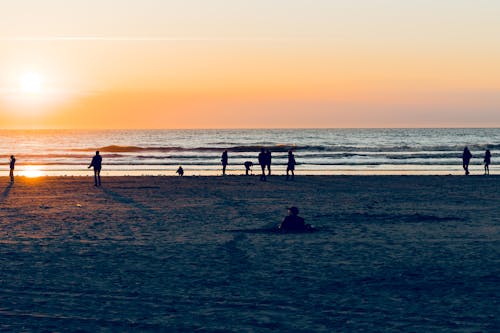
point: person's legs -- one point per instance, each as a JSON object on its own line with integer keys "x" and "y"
{"x": 11, "y": 174}
{"x": 99, "y": 177}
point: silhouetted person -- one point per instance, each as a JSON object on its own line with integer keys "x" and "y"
{"x": 466, "y": 156}
{"x": 224, "y": 162}
{"x": 290, "y": 167}
{"x": 97, "y": 164}
{"x": 12, "y": 166}
{"x": 293, "y": 222}
{"x": 268, "y": 161}
{"x": 180, "y": 171}
{"x": 248, "y": 167}
{"x": 262, "y": 163}
{"x": 487, "y": 161}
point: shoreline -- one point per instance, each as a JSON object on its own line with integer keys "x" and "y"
{"x": 38, "y": 172}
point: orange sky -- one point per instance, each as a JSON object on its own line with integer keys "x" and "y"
{"x": 151, "y": 64}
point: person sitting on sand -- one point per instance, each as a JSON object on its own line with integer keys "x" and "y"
{"x": 487, "y": 161}
{"x": 293, "y": 222}
{"x": 466, "y": 156}
{"x": 180, "y": 171}
{"x": 248, "y": 167}
{"x": 12, "y": 165}
{"x": 97, "y": 164}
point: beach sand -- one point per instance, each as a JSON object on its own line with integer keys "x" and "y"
{"x": 392, "y": 254}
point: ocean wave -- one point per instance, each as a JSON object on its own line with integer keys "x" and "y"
{"x": 283, "y": 148}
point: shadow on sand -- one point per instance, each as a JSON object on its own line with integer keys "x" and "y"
{"x": 6, "y": 192}
{"x": 128, "y": 201}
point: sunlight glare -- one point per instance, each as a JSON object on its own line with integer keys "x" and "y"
{"x": 31, "y": 83}
{"x": 32, "y": 171}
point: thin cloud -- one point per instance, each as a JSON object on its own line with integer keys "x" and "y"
{"x": 138, "y": 39}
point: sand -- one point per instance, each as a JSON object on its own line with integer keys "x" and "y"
{"x": 194, "y": 254}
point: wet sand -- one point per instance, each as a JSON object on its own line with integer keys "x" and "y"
{"x": 392, "y": 254}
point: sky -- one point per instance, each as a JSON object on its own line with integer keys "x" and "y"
{"x": 249, "y": 63}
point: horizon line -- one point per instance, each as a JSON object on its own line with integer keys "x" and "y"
{"x": 241, "y": 128}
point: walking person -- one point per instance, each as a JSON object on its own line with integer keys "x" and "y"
{"x": 12, "y": 165}
{"x": 263, "y": 162}
{"x": 487, "y": 161}
{"x": 290, "y": 167}
{"x": 466, "y": 156}
{"x": 224, "y": 162}
{"x": 268, "y": 161}
{"x": 97, "y": 164}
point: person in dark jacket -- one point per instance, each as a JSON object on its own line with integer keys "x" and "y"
{"x": 487, "y": 161}
{"x": 268, "y": 161}
{"x": 248, "y": 167}
{"x": 466, "y": 156}
{"x": 290, "y": 167}
{"x": 263, "y": 162}
{"x": 224, "y": 160}
{"x": 97, "y": 165}
{"x": 293, "y": 222}
{"x": 12, "y": 165}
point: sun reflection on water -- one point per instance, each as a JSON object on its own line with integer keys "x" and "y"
{"x": 31, "y": 171}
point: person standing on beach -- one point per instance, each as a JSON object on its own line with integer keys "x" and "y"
{"x": 290, "y": 167}
{"x": 180, "y": 171}
{"x": 487, "y": 161}
{"x": 268, "y": 161}
{"x": 12, "y": 165}
{"x": 263, "y": 162}
{"x": 97, "y": 164}
{"x": 466, "y": 156}
{"x": 224, "y": 162}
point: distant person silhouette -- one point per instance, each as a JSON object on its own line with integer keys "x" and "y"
{"x": 224, "y": 162}
{"x": 466, "y": 156}
{"x": 248, "y": 167}
{"x": 290, "y": 167}
{"x": 262, "y": 163}
{"x": 487, "y": 161}
{"x": 180, "y": 171}
{"x": 12, "y": 166}
{"x": 97, "y": 164}
{"x": 268, "y": 161}
{"x": 293, "y": 222}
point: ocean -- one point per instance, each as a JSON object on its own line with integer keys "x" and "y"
{"x": 317, "y": 151}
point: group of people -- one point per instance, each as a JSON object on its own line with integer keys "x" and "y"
{"x": 265, "y": 159}
{"x": 466, "y": 157}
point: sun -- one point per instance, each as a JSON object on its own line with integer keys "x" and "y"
{"x": 31, "y": 171}
{"x": 31, "y": 82}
